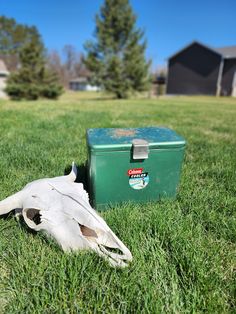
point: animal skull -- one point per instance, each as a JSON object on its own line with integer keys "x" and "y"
{"x": 61, "y": 208}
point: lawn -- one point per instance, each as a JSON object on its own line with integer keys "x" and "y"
{"x": 184, "y": 250}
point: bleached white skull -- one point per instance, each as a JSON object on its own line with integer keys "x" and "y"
{"x": 61, "y": 208}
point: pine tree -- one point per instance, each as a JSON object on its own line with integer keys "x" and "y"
{"x": 13, "y": 36}
{"x": 33, "y": 79}
{"x": 116, "y": 57}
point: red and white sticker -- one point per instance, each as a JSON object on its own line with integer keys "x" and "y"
{"x": 134, "y": 171}
{"x": 138, "y": 179}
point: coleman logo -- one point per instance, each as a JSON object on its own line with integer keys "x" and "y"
{"x": 134, "y": 171}
{"x": 138, "y": 179}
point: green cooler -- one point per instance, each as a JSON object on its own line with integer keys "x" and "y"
{"x": 138, "y": 165}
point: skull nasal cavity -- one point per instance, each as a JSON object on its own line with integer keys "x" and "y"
{"x": 34, "y": 215}
{"x": 87, "y": 232}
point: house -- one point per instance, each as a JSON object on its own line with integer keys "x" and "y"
{"x": 3, "y": 76}
{"x": 199, "y": 69}
{"x": 82, "y": 84}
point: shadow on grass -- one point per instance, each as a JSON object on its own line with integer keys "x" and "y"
{"x": 99, "y": 99}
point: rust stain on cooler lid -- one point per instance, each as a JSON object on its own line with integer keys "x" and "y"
{"x": 123, "y": 132}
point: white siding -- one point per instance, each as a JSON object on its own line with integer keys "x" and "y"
{"x": 2, "y": 85}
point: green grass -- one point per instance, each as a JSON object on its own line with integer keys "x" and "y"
{"x": 184, "y": 250}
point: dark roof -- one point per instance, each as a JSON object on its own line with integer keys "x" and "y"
{"x": 225, "y": 52}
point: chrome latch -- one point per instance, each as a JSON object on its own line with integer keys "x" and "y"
{"x": 140, "y": 149}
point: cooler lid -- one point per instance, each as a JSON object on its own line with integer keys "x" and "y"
{"x": 105, "y": 139}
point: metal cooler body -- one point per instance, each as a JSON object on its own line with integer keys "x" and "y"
{"x": 138, "y": 165}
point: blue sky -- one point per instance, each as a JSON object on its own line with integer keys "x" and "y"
{"x": 168, "y": 24}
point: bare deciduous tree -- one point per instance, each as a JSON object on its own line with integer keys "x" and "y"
{"x": 55, "y": 64}
{"x": 68, "y": 64}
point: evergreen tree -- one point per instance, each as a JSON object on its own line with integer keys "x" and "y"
{"x": 116, "y": 58}
{"x": 13, "y": 36}
{"x": 33, "y": 79}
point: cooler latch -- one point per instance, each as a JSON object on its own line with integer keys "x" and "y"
{"x": 140, "y": 149}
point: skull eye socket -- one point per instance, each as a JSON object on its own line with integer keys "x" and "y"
{"x": 34, "y": 215}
